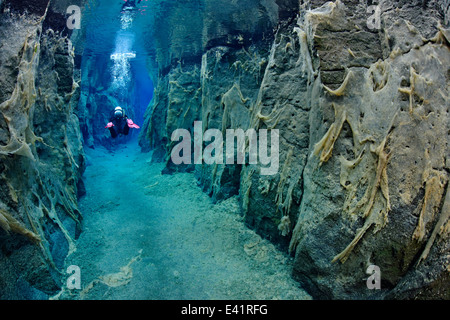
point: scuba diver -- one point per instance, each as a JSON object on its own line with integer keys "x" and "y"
{"x": 119, "y": 123}
{"x": 129, "y": 5}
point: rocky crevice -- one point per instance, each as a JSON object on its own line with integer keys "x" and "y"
{"x": 362, "y": 115}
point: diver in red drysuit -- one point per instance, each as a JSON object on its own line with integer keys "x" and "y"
{"x": 119, "y": 123}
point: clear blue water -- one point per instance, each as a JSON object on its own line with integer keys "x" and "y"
{"x": 111, "y": 31}
{"x": 162, "y": 32}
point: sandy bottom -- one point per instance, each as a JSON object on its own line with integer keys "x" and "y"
{"x": 159, "y": 237}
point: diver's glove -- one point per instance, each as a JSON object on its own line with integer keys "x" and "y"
{"x": 109, "y": 125}
{"x": 131, "y": 124}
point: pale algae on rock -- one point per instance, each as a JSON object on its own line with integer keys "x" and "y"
{"x": 41, "y": 163}
{"x": 392, "y": 111}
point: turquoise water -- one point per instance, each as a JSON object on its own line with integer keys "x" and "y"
{"x": 110, "y": 32}
{"x": 153, "y": 236}
{"x": 180, "y": 30}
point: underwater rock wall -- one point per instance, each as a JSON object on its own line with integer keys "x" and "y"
{"x": 378, "y": 146}
{"x": 363, "y": 115}
{"x": 41, "y": 155}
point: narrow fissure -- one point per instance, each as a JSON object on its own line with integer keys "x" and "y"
{"x": 224, "y": 150}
